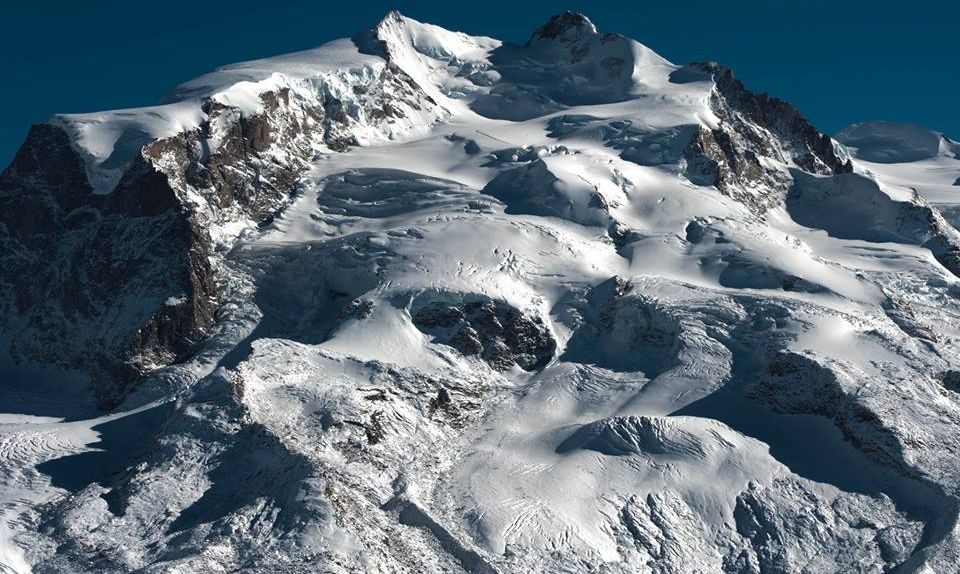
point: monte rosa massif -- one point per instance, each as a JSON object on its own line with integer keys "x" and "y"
{"x": 418, "y": 301}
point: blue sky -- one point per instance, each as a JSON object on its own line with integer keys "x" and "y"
{"x": 839, "y": 61}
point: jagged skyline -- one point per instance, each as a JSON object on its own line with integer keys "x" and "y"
{"x": 839, "y": 63}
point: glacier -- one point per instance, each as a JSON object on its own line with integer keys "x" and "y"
{"x": 419, "y": 301}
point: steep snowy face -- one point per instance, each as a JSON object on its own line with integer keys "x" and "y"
{"x": 419, "y": 301}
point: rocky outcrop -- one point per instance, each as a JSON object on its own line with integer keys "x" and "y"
{"x": 779, "y": 521}
{"x": 754, "y": 128}
{"x": 493, "y": 330}
{"x": 123, "y": 280}
{"x": 106, "y": 284}
{"x": 117, "y": 282}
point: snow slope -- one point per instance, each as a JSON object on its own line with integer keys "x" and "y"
{"x": 556, "y": 307}
{"x": 911, "y": 157}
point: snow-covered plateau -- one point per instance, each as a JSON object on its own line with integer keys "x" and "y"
{"x": 418, "y": 301}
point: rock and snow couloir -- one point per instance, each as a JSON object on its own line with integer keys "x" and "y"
{"x": 421, "y": 301}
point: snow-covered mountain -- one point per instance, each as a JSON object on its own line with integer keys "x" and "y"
{"x": 418, "y": 301}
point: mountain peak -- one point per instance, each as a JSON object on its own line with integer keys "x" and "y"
{"x": 566, "y": 27}
{"x": 392, "y": 15}
{"x": 376, "y": 40}
{"x": 395, "y": 249}
{"x": 391, "y": 20}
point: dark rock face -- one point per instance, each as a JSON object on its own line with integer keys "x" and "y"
{"x": 116, "y": 284}
{"x": 754, "y": 131}
{"x": 89, "y": 275}
{"x": 753, "y": 126}
{"x": 497, "y": 332}
{"x": 124, "y": 278}
{"x": 238, "y": 171}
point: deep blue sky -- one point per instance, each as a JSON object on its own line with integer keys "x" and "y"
{"x": 839, "y": 61}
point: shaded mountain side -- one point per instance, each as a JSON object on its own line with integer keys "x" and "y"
{"x": 116, "y": 284}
